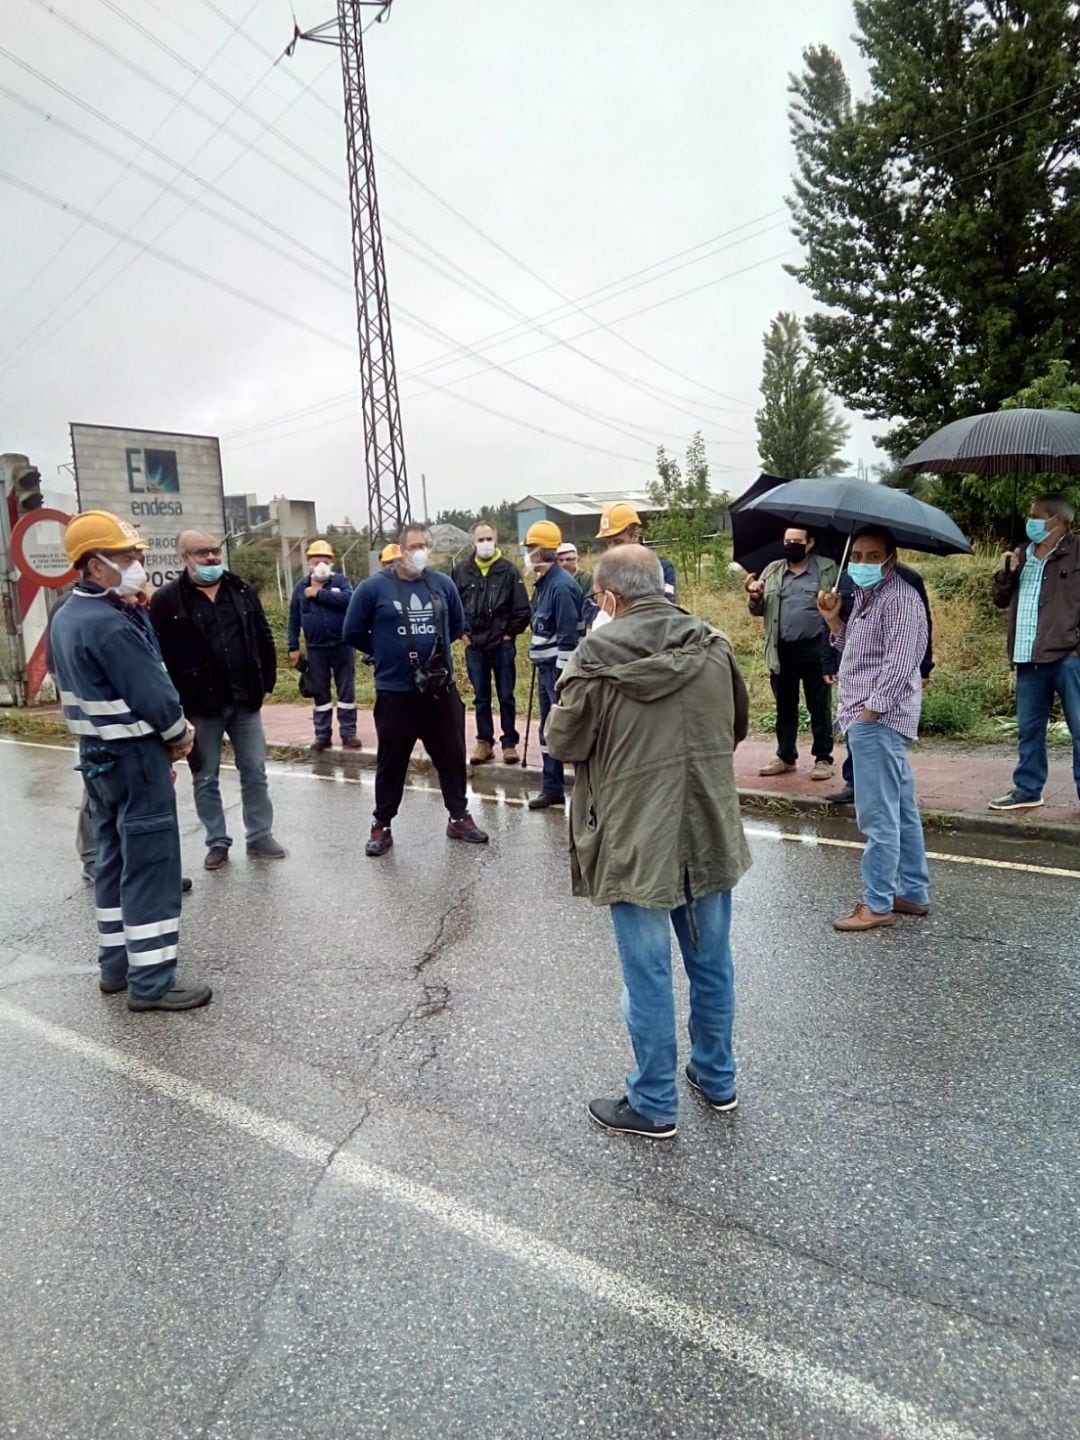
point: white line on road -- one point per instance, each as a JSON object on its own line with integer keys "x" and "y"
{"x": 776, "y": 1364}
{"x": 755, "y": 832}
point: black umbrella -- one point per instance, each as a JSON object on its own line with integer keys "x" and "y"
{"x": 758, "y": 536}
{"x": 1007, "y": 442}
{"x": 846, "y": 505}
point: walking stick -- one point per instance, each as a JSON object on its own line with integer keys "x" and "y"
{"x": 528, "y": 720}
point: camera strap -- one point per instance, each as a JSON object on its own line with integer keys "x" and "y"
{"x": 437, "y": 613}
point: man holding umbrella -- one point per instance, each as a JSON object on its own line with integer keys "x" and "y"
{"x": 1039, "y": 585}
{"x": 881, "y": 648}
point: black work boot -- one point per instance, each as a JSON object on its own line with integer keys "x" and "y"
{"x": 182, "y": 999}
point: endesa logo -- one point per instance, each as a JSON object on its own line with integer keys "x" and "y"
{"x": 153, "y": 472}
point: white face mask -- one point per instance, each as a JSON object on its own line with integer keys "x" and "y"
{"x": 604, "y": 618}
{"x": 530, "y": 568}
{"x": 485, "y": 549}
{"x": 416, "y": 560}
{"x": 321, "y": 571}
{"x": 132, "y": 576}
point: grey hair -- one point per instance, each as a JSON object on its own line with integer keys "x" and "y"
{"x": 629, "y": 572}
{"x": 1058, "y": 503}
{"x": 412, "y": 527}
{"x": 482, "y": 525}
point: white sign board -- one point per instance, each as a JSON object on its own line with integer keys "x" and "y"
{"x": 161, "y": 483}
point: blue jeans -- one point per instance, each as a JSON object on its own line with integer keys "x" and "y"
{"x": 894, "y": 861}
{"x": 244, "y": 729}
{"x": 338, "y": 661}
{"x": 482, "y": 665}
{"x": 553, "y": 782}
{"x": 136, "y": 864}
{"x": 1036, "y": 686}
{"x": 643, "y": 938}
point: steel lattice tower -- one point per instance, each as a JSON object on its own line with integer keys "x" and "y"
{"x": 384, "y": 449}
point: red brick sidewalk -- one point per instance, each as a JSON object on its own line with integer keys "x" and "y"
{"x": 949, "y": 777}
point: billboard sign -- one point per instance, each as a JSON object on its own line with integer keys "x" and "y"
{"x": 162, "y": 483}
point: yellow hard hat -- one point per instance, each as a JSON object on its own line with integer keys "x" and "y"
{"x": 616, "y": 518}
{"x": 321, "y": 549}
{"x": 545, "y": 534}
{"x": 99, "y": 530}
{"x": 390, "y": 552}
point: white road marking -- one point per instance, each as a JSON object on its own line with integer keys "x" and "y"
{"x": 776, "y": 1364}
{"x": 755, "y": 832}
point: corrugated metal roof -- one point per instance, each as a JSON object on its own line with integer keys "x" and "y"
{"x": 588, "y": 502}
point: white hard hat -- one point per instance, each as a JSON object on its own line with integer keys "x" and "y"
{"x": 566, "y": 548}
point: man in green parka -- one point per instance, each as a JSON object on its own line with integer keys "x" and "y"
{"x": 650, "y": 710}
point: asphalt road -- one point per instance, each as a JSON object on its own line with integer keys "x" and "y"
{"x": 359, "y": 1195}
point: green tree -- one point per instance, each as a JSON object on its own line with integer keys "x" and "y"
{"x": 799, "y": 433}
{"x": 940, "y": 215}
{"x": 991, "y": 505}
{"x": 686, "y": 510}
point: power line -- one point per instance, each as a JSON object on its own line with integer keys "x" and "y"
{"x": 173, "y": 260}
{"x": 51, "y": 259}
{"x": 208, "y": 186}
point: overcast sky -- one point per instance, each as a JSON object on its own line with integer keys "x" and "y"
{"x": 580, "y": 144}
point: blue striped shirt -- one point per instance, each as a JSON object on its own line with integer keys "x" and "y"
{"x": 1027, "y": 607}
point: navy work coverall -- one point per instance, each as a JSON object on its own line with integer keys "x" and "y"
{"x": 556, "y": 629}
{"x": 321, "y": 617}
{"x": 124, "y": 709}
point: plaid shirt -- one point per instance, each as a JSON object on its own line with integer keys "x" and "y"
{"x": 882, "y": 646}
{"x": 1027, "y": 607}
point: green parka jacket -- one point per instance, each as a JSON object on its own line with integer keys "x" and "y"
{"x": 650, "y": 710}
{"x": 769, "y": 606}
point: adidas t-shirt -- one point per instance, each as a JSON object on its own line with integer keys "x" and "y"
{"x": 375, "y": 624}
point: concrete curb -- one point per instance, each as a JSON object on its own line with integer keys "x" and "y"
{"x": 514, "y": 779}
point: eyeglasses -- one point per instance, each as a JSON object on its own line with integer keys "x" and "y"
{"x": 212, "y": 553}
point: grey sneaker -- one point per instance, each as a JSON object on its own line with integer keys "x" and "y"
{"x": 269, "y": 849}
{"x": 1017, "y": 800}
{"x": 182, "y": 999}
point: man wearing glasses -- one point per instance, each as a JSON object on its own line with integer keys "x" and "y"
{"x": 220, "y": 654}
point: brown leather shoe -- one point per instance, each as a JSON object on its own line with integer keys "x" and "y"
{"x": 483, "y": 753}
{"x": 909, "y": 907}
{"x": 510, "y": 755}
{"x": 863, "y": 918}
{"x": 776, "y": 767}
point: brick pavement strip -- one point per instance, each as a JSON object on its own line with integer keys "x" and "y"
{"x": 952, "y": 779}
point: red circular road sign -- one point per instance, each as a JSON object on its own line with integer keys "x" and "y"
{"x": 44, "y": 562}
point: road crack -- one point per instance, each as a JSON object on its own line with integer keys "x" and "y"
{"x": 300, "y": 1216}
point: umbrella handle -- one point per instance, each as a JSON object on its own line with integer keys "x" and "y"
{"x": 843, "y": 562}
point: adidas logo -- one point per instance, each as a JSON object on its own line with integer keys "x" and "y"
{"x": 421, "y": 616}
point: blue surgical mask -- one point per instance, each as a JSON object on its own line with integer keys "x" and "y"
{"x": 1038, "y": 531}
{"x": 865, "y": 576}
{"x": 209, "y": 574}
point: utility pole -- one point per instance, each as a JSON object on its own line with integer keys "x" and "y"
{"x": 384, "y": 450}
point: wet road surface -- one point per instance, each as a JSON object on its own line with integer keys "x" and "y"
{"x": 359, "y": 1196}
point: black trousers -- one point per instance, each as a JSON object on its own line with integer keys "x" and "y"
{"x": 437, "y": 720}
{"x": 800, "y": 665}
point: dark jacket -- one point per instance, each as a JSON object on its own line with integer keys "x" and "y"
{"x": 321, "y": 615}
{"x": 186, "y": 649}
{"x": 107, "y": 666}
{"x": 558, "y": 605}
{"x": 918, "y": 584}
{"x": 650, "y": 710}
{"x": 495, "y": 604}
{"x": 1058, "y": 633}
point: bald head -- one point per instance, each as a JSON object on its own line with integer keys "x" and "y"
{"x": 628, "y": 572}
{"x": 196, "y": 549}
